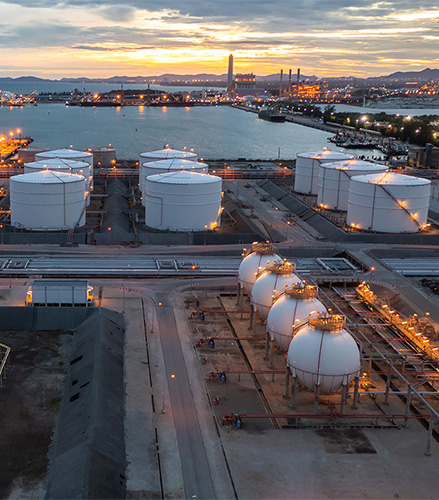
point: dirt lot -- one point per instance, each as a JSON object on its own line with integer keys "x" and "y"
{"x": 29, "y": 401}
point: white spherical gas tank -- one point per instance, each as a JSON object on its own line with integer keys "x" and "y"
{"x": 290, "y": 308}
{"x": 323, "y": 354}
{"x": 272, "y": 279}
{"x": 256, "y": 259}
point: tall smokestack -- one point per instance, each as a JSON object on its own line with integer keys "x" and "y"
{"x": 230, "y": 73}
{"x": 289, "y": 82}
{"x": 280, "y": 84}
{"x": 298, "y": 76}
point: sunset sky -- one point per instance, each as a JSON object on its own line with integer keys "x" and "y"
{"x": 52, "y": 39}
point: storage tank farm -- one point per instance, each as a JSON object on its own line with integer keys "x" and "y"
{"x": 254, "y": 260}
{"x": 182, "y": 201}
{"x": 388, "y": 202}
{"x": 61, "y": 165}
{"x": 47, "y": 200}
{"x": 69, "y": 154}
{"x": 270, "y": 280}
{"x": 169, "y": 165}
{"x": 334, "y": 180}
{"x": 308, "y": 167}
{"x": 291, "y": 307}
{"x": 322, "y": 355}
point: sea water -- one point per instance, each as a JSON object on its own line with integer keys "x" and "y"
{"x": 214, "y": 132}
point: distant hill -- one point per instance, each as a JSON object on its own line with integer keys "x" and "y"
{"x": 425, "y": 75}
{"x": 24, "y": 79}
{"x": 167, "y": 77}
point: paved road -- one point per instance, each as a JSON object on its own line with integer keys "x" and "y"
{"x": 196, "y": 473}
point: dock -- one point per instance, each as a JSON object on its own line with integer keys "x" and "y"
{"x": 9, "y": 148}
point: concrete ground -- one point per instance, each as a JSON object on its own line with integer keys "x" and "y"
{"x": 257, "y": 461}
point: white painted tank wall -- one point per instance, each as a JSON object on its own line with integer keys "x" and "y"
{"x": 286, "y": 313}
{"x": 372, "y": 208}
{"x": 182, "y": 201}
{"x": 265, "y": 287}
{"x": 325, "y": 358}
{"x": 170, "y": 165}
{"x": 47, "y": 200}
{"x": 252, "y": 265}
{"x": 307, "y": 169}
{"x": 103, "y": 157}
{"x": 334, "y": 179}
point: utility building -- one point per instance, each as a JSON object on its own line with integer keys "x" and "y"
{"x": 50, "y": 293}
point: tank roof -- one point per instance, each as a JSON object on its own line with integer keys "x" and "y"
{"x": 64, "y": 152}
{"x": 326, "y": 153}
{"x": 47, "y": 177}
{"x": 103, "y": 149}
{"x": 301, "y": 291}
{"x": 34, "y": 148}
{"x": 391, "y": 178}
{"x": 169, "y": 153}
{"x": 57, "y": 163}
{"x": 281, "y": 268}
{"x": 354, "y": 164}
{"x": 174, "y": 164}
{"x": 183, "y": 177}
{"x": 260, "y": 248}
{"x": 327, "y": 322}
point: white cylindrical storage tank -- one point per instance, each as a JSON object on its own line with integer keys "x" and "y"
{"x": 182, "y": 201}
{"x": 60, "y": 165}
{"x": 166, "y": 154}
{"x": 306, "y": 179}
{"x": 256, "y": 259}
{"x": 270, "y": 280}
{"x": 388, "y": 202}
{"x": 170, "y": 165}
{"x": 103, "y": 157}
{"x": 323, "y": 355}
{"x": 334, "y": 179}
{"x": 27, "y": 154}
{"x": 47, "y": 200}
{"x": 69, "y": 154}
{"x": 66, "y": 154}
{"x": 290, "y": 308}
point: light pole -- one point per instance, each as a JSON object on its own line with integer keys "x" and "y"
{"x": 163, "y": 394}
{"x": 1, "y": 227}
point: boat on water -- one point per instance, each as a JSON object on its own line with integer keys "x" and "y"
{"x": 272, "y": 113}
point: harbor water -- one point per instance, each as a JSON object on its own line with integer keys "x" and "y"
{"x": 214, "y": 132}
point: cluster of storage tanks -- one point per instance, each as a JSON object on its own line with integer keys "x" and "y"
{"x": 321, "y": 353}
{"x": 53, "y": 192}
{"x": 177, "y": 192}
{"x": 374, "y": 198}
